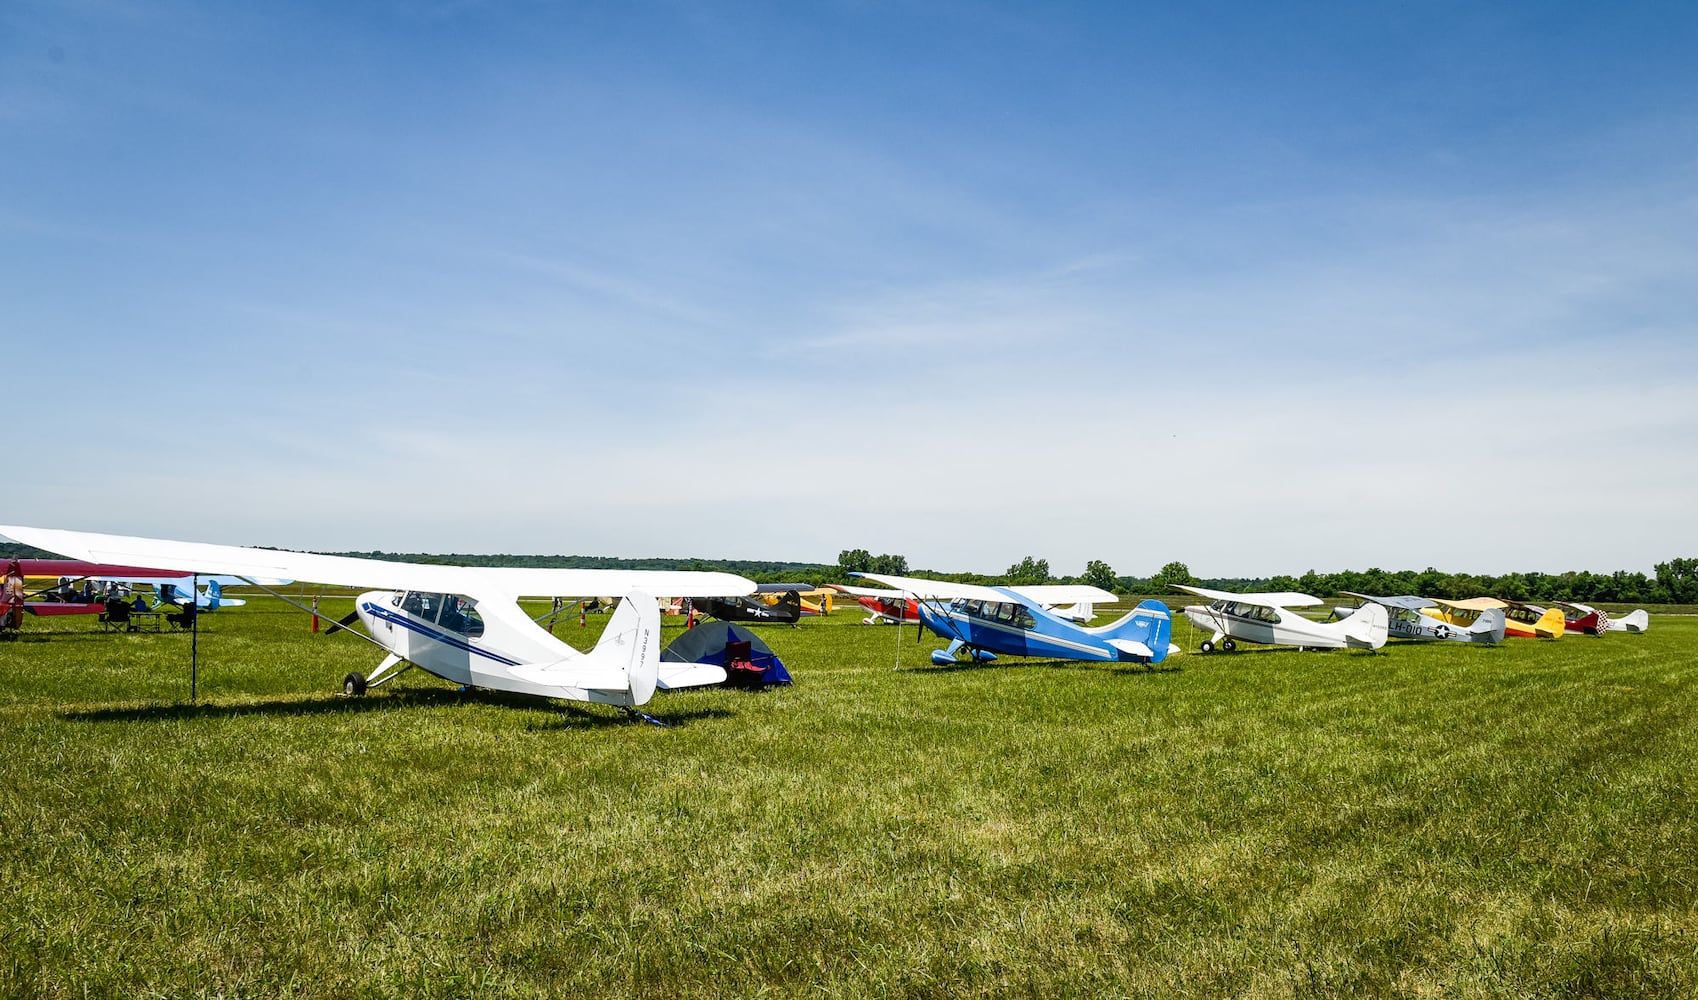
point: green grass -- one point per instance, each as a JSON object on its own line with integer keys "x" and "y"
{"x": 1433, "y": 820}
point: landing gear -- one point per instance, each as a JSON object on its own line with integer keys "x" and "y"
{"x": 1208, "y": 647}
{"x": 636, "y": 716}
{"x": 354, "y": 685}
{"x": 1229, "y": 645}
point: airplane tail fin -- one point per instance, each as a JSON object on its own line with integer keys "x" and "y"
{"x": 1490, "y": 623}
{"x": 1636, "y": 621}
{"x": 1150, "y": 624}
{"x": 214, "y": 593}
{"x": 1367, "y": 628}
{"x": 629, "y": 648}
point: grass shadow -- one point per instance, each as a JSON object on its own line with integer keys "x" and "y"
{"x": 1012, "y": 661}
{"x": 571, "y": 715}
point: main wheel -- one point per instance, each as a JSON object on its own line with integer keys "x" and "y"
{"x": 1208, "y": 647}
{"x": 354, "y": 685}
{"x": 1228, "y": 645}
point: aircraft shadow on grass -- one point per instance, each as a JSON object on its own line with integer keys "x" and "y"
{"x": 1003, "y": 663}
{"x": 566, "y": 716}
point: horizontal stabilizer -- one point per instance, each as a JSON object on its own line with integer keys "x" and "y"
{"x": 1133, "y": 648}
{"x": 687, "y": 675}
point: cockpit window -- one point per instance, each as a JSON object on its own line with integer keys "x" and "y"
{"x": 460, "y": 614}
{"x": 421, "y": 605}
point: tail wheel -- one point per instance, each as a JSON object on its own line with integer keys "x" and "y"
{"x": 354, "y": 685}
{"x": 1228, "y": 645}
{"x": 1208, "y": 647}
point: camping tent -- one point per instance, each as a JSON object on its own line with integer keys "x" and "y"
{"x": 709, "y": 642}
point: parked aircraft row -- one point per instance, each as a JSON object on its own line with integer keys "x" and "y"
{"x": 465, "y": 624}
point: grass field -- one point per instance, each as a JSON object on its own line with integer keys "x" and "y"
{"x": 1434, "y": 820}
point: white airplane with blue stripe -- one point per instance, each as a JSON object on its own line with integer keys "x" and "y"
{"x": 460, "y": 623}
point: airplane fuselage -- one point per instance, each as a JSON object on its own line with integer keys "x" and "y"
{"x": 498, "y": 647}
{"x": 1408, "y": 623}
{"x": 1014, "y": 628}
{"x": 1270, "y": 625}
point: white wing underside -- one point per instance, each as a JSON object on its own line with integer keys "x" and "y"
{"x": 344, "y": 571}
{"x": 1043, "y": 595}
{"x": 1280, "y": 599}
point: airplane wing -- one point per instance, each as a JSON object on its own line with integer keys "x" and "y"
{"x": 1043, "y": 595}
{"x": 1406, "y": 602}
{"x": 1053, "y": 594}
{"x": 1281, "y": 599}
{"x": 250, "y": 563}
{"x": 864, "y": 591}
{"x": 931, "y": 590}
{"x": 1473, "y": 604}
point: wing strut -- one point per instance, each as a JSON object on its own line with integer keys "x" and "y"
{"x": 286, "y": 599}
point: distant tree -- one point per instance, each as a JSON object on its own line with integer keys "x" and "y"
{"x": 1173, "y": 572}
{"x": 1513, "y": 588}
{"x": 1028, "y": 570}
{"x": 855, "y": 561}
{"x": 890, "y": 565}
{"x": 1678, "y": 579}
{"x": 1100, "y": 574}
{"x": 1282, "y": 584}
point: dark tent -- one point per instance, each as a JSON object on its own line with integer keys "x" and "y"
{"x": 746, "y": 659}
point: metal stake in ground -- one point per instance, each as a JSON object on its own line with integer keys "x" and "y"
{"x": 194, "y": 637}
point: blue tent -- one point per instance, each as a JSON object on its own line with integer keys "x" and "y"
{"x": 709, "y": 642}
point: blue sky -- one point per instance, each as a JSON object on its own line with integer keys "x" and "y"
{"x": 1258, "y": 287}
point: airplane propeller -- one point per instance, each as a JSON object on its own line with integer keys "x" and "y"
{"x": 343, "y": 622}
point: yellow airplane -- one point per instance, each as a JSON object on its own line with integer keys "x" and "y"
{"x": 1530, "y": 621}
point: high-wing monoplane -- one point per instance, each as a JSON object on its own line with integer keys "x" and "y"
{"x": 786, "y": 610}
{"x": 886, "y": 607}
{"x": 1526, "y": 621}
{"x": 985, "y": 621}
{"x": 463, "y": 624}
{"x": 1407, "y": 619}
{"x": 1268, "y": 618}
{"x": 1583, "y": 618}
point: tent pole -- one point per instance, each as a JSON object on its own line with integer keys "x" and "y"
{"x": 901, "y": 610}
{"x": 194, "y": 637}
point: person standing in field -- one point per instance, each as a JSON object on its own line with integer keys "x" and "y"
{"x": 12, "y": 597}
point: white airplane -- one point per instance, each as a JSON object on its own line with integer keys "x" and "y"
{"x": 1636, "y": 620}
{"x": 461, "y": 623}
{"x": 1585, "y": 618}
{"x": 1407, "y": 620}
{"x": 1268, "y": 618}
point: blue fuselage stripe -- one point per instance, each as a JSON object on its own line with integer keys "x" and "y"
{"x": 449, "y": 639}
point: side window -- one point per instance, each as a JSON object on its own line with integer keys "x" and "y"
{"x": 460, "y": 614}
{"x": 1005, "y": 612}
{"x": 421, "y": 605}
{"x": 1024, "y": 618}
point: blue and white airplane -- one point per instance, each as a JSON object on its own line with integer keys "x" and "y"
{"x": 1018, "y": 621}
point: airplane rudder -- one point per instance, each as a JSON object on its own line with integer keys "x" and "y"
{"x": 1161, "y": 629}
{"x": 631, "y": 641}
